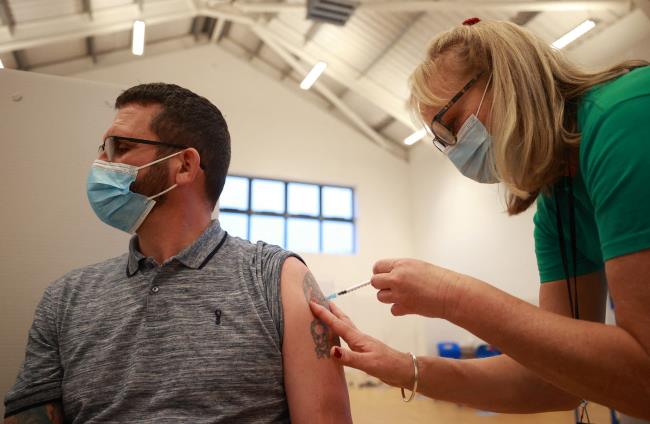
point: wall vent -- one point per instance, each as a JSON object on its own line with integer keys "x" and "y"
{"x": 335, "y": 12}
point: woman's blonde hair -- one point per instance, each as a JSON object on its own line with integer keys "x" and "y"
{"x": 533, "y": 119}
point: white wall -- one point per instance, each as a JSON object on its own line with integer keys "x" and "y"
{"x": 461, "y": 225}
{"x": 50, "y": 129}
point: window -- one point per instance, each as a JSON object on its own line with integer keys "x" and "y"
{"x": 302, "y": 217}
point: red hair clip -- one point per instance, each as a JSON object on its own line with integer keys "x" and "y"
{"x": 471, "y": 21}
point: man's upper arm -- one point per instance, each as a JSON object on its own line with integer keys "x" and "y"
{"x": 39, "y": 379}
{"x": 50, "y": 413}
{"x": 315, "y": 385}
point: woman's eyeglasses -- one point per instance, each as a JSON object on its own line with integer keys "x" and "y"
{"x": 442, "y": 136}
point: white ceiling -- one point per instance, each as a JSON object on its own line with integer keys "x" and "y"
{"x": 369, "y": 59}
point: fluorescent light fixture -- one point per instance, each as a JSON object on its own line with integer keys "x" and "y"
{"x": 138, "y": 38}
{"x": 1, "y": 64}
{"x": 313, "y": 75}
{"x": 574, "y": 34}
{"x": 415, "y": 137}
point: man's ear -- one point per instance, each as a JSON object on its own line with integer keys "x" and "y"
{"x": 190, "y": 165}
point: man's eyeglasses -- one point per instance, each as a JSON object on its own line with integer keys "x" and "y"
{"x": 117, "y": 145}
{"x": 442, "y": 136}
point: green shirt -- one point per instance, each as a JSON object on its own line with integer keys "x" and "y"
{"x": 612, "y": 186}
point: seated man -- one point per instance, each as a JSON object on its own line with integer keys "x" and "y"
{"x": 191, "y": 325}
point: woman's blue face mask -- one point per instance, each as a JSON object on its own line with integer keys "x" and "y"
{"x": 472, "y": 153}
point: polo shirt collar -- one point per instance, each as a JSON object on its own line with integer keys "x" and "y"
{"x": 133, "y": 263}
{"x": 194, "y": 256}
{"x": 197, "y": 254}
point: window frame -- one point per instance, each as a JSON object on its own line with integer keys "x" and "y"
{"x": 286, "y": 215}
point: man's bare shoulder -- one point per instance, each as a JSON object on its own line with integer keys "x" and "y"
{"x": 300, "y": 287}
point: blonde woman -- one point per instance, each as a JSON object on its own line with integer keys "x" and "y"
{"x": 504, "y": 106}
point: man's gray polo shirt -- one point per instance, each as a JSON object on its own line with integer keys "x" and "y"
{"x": 196, "y": 340}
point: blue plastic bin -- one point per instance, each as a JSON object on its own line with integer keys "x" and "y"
{"x": 485, "y": 351}
{"x": 449, "y": 350}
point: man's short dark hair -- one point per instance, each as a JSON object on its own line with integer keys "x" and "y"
{"x": 189, "y": 119}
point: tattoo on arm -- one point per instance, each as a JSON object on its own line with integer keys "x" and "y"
{"x": 323, "y": 337}
{"x": 50, "y": 413}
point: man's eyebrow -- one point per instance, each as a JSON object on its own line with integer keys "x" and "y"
{"x": 109, "y": 134}
{"x": 106, "y": 134}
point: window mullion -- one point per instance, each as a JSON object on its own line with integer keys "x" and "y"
{"x": 320, "y": 218}
{"x": 250, "y": 209}
{"x": 286, "y": 214}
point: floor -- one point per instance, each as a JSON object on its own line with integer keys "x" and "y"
{"x": 383, "y": 404}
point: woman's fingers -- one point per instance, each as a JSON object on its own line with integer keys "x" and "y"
{"x": 384, "y": 266}
{"x": 398, "y": 310}
{"x": 339, "y": 326}
{"x": 381, "y": 281}
{"x": 365, "y": 353}
{"x": 376, "y": 359}
{"x": 348, "y": 358}
{"x": 385, "y": 296}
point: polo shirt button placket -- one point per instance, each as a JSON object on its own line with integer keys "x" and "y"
{"x": 153, "y": 300}
{"x": 155, "y": 287}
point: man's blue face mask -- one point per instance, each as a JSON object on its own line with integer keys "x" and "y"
{"x": 109, "y": 195}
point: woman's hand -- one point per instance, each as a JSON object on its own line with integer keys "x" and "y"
{"x": 417, "y": 287}
{"x": 367, "y": 353}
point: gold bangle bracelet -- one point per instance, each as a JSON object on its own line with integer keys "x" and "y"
{"x": 415, "y": 383}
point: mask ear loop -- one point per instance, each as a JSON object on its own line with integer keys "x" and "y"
{"x": 159, "y": 160}
{"x": 163, "y": 192}
{"x": 483, "y": 96}
{"x": 155, "y": 162}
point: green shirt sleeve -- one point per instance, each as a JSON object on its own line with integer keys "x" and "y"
{"x": 615, "y": 163}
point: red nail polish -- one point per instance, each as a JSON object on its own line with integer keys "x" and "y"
{"x": 337, "y": 352}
